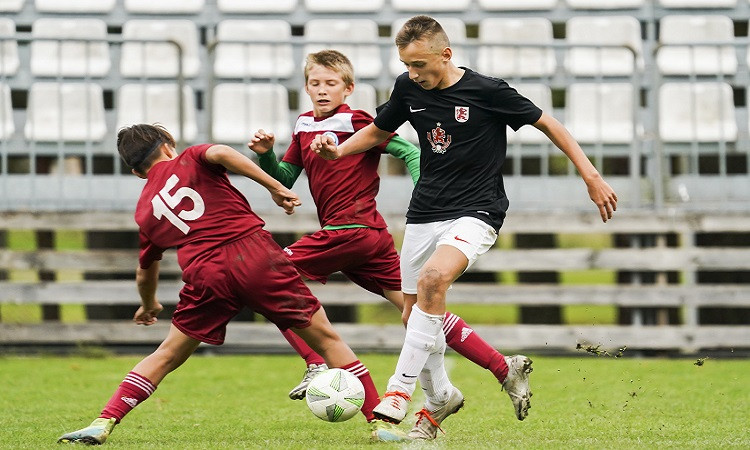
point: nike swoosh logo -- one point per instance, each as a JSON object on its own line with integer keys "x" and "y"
{"x": 416, "y": 110}
{"x": 462, "y": 240}
{"x": 408, "y": 376}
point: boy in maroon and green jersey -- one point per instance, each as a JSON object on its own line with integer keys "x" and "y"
{"x": 354, "y": 238}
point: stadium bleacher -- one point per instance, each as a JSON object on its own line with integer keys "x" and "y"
{"x": 126, "y": 55}
{"x": 655, "y": 91}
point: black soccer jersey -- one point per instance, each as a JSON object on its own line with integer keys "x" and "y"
{"x": 462, "y": 136}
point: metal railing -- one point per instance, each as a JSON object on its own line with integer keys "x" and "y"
{"x": 639, "y": 169}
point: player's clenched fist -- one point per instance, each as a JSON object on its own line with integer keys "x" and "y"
{"x": 325, "y": 146}
{"x": 261, "y": 142}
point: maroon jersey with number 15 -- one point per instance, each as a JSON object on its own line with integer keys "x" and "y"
{"x": 189, "y": 203}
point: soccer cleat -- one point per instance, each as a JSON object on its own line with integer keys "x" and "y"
{"x": 428, "y": 422}
{"x": 387, "y": 432}
{"x": 392, "y": 408}
{"x": 298, "y": 393}
{"x": 516, "y": 384}
{"x": 94, "y": 434}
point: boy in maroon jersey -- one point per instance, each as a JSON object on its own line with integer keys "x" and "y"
{"x": 354, "y": 238}
{"x": 228, "y": 261}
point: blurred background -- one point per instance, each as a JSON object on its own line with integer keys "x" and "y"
{"x": 656, "y": 92}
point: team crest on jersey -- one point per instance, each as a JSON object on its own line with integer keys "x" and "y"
{"x": 439, "y": 139}
{"x": 462, "y": 113}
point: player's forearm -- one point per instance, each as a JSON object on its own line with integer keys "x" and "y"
{"x": 240, "y": 164}
{"x": 363, "y": 140}
{"x": 147, "y": 281}
{"x": 286, "y": 173}
{"x": 563, "y": 140}
{"x": 407, "y": 152}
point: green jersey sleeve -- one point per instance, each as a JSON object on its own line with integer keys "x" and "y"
{"x": 285, "y": 172}
{"x": 407, "y": 152}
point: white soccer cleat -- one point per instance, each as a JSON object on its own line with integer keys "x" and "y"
{"x": 428, "y": 422}
{"x": 516, "y": 384}
{"x": 392, "y": 408}
{"x": 299, "y": 391}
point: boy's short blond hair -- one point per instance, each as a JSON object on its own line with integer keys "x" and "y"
{"x": 333, "y": 60}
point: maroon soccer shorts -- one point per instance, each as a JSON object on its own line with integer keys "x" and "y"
{"x": 366, "y": 256}
{"x": 251, "y": 272}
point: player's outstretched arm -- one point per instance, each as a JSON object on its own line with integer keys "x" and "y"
{"x": 407, "y": 152}
{"x": 147, "y": 281}
{"x": 240, "y": 164}
{"x": 262, "y": 144}
{"x": 600, "y": 191}
{"x": 364, "y": 139}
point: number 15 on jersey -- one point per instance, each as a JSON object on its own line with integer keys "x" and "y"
{"x": 165, "y": 204}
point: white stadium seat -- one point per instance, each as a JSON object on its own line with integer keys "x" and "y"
{"x": 430, "y": 5}
{"x": 7, "y": 126}
{"x": 240, "y": 109}
{"x": 605, "y": 4}
{"x": 603, "y": 30}
{"x": 54, "y": 52}
{"x": 74, "y": 6}
{"x": 364, "y": 97}
{"x": 268, "y": 56}
{"x": 600, "y": 112}
{"x": 497, "y": 58}
{"x": 159, "y": 59}
{"x": 11, "y": 5}
{"x": 337, "y": 6}
{"x": 541, "y": 95}
{"x": 65, "y": 112}
{"x": 356, "y": 38}
{"x": 164, "y": 6}
{"x": 517, "y": 5}
{"x": 700, "y": 111}
{"x": 151, "y": 103}
{"x": 9, "y": 61}
{"x": 455, "y": 29}
{"x": 675, "y": 59}
{"x": 257, "y": 6}
{"x": 698, "y": 3}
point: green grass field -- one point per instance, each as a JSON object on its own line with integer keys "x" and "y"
{"x": 585, "y": 402}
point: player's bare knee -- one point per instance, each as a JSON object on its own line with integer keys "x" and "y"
{"x": 432, "y": 281}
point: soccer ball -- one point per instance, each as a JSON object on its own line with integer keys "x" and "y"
{"x": 335, "y": 395}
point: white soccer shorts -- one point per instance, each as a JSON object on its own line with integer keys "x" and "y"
{"x": 471, "y": 236}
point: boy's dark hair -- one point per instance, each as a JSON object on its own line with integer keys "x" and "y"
{"x": 137, "y": 144}
{"x": 422, "y": 27}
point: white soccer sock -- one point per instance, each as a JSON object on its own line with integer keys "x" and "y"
{"x": 422, "y": 331}
{"x": 434, "y": 379}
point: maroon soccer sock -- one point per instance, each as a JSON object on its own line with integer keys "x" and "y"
{"x": 463, "y": 339}
{"x": 133, "y": 390}
{"x": 300, "y": 346}
{"x": 371, "y": 392}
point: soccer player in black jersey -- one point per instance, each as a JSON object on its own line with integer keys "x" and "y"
{"x": 457, "y": 206}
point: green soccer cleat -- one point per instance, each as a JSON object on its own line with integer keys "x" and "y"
{"x": 94, "y": 434}
{"x": 387, "y": 432}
